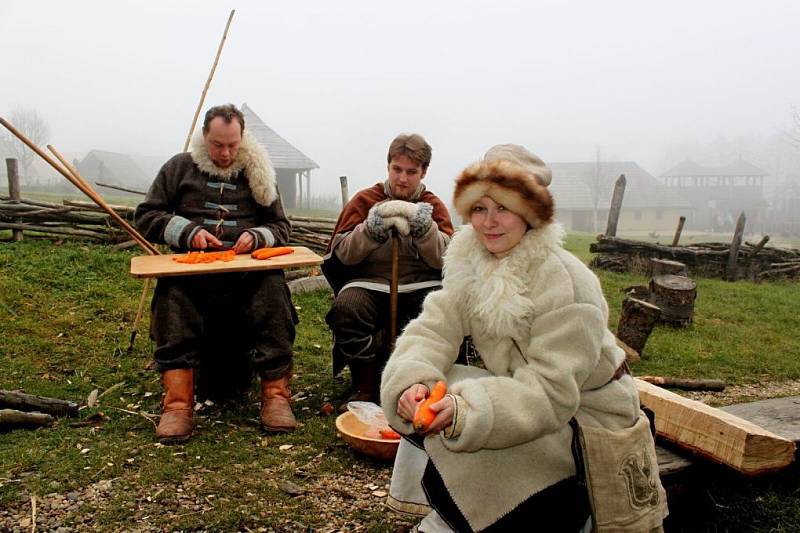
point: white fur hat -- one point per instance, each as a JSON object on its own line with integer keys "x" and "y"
{"x": 511, "y": 176}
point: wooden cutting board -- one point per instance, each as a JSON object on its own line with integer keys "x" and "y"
{"x": 158, "y": 266}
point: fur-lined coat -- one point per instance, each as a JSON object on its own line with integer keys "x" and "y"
{"x": 538, "y": 319}
{"x": 191, "y": 192}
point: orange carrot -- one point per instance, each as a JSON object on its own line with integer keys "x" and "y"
{"x": 424, "y": 415}
{"x": 389, "y": 433}
{"x": 266, "y": 253}
{"x": 205, "y": 257}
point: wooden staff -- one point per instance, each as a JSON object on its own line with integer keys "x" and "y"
{"x": 80, "y": 182}
{"x": 393, "y": 282}
{"x": 148, "y": 281}
{"x": 208, "y": 81}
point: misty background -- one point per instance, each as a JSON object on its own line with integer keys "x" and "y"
{"x": 635, "y": 81}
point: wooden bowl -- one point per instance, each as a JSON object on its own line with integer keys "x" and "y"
{"x": 352, "y": 431}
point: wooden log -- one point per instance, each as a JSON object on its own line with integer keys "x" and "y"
{"x": 118, "y": 188}
{"x": 716, "y": 385}
{"x": 678, "y": 231}
{"x": 714, "y": 434}
{"x": 731, "y": 272}
{"x": 57, "y": 230}
{"x": 12, "y": 171}
{"x": 28, "y": 402}
{"x": 11, "y": 418}
{"x": 631, "y": 355}
{"x": 675, "y": 296}
{"x": 667, "y": 266}
{"x": 616, "y": 206}
{"x": 636, "y": 322}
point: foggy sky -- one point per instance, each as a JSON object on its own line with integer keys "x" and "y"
{"x": 340, "y": 79}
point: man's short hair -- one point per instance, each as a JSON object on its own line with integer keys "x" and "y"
{"x": 412, "y": 145}
{"x": 228, "y": 112}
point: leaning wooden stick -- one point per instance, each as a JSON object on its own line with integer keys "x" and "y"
{"x": 208, "y": 81}
{"x": 393, "y": 282}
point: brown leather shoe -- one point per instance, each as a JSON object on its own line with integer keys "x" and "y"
{"x": 365, "y": 376}
{"x": 276, "y": 412}
{"x": 175, "y": 425}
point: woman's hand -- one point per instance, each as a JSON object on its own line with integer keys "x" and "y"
{"x": 444, "y": 410}
{"x": 409, "y": 401}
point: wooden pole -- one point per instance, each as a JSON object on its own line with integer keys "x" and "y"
{"x": 616, "y": 206}
{"x": 678, "y": 231}
{"x": 12, "y": 170}
{"x": 393, "y": 289}
{"x": 308, "y": 189}
{"x": 733, "y": 255}
{"x": 84, "y": 186}
{"x": 343, "y": 185}
{"x": 300, "y": 189}
{"x": 208, "y": 81}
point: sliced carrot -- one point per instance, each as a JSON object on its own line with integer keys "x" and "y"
{"x": 389, "y": 433}
{"x": 266, "y": 253}
{"x": 205, "y": 257}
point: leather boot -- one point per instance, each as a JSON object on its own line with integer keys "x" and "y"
{"x": 365, "y": 383}
{"x": 175, "y": 425}
{"x": 276, "y": 413}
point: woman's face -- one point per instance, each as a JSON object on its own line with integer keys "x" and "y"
{"x": 499, "y": 229}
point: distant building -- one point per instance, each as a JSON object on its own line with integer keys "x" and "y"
{"x": 114, "y": 168}
{"x": 291, "y": 165}
{"x": 582, "y": 193}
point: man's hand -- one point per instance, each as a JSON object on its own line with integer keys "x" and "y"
{"x": 244, "y": 244}
{"x": 203, "y": 239}
{"x": 444, "y": 410}
{"x": 419, "y": 215}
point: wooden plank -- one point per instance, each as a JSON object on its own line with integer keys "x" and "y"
{"x": 156, "y": 266}
{"x": 715, "y": 434}
{"x": 778, "y": 415}
{"x": 670, "y": 462}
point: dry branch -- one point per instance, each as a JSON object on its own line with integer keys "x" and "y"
{"x": 11, "y": 418}
{"x": 28, "y": 402}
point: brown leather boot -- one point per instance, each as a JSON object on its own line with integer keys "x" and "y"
{"x": 365, "y": 383}
{"x": 276, "y": 413}
{"x": 175, "y": 425}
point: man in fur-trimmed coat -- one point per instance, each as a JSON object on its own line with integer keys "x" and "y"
{"x": 221, "y": 195}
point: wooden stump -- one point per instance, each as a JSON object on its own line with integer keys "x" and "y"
{"x": 666, "y": 266}
{"x": 636, "y": 322}
{"x": 675, "y": 295}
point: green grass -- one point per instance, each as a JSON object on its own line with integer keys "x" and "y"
{"x": 66, "y": 313}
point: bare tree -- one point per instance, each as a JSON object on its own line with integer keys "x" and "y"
{"x": 30, "y": 123}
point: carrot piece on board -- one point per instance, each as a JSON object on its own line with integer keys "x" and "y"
{"x": 266, "y": 253}
{"x": 424, "y": 415}
{"x": 205, "y": 257}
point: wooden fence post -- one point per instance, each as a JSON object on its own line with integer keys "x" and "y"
{"x": 678, "y": 231}
{"x": 343, "y": 184}
{"x": 12, "y": 170}
{"x": 731, "y": 271}
{"x": 616, "y": 206}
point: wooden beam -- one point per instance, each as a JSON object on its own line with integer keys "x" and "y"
{"x": 714, "y": 434}
{"x": 343, "y": 185}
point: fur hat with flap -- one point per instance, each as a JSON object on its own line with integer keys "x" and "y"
{"x": 511, "y": 176}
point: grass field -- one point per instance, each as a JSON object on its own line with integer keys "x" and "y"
{"x": 66, "y": 313}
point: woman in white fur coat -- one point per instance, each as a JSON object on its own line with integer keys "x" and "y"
{"x": 498, "y": 454}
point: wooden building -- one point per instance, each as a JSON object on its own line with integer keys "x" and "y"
{"x": 583, "y": 191}
{"x": 720, "y": 194}
{"x": 291, "y": 165}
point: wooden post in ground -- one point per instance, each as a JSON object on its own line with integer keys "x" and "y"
{"x": 12, "y": 170}
{"x": 343, "y": 184}
{"x": 678, "y": 231}
{"x": 732, "y": 271}
{"x": 616, "y": 206}
{"x": 636, "y": 322}
{"x": 300, "y": 190}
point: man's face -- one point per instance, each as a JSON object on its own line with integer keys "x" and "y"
{"x": 404, "y": 176}
{"x": 222, "y": 141}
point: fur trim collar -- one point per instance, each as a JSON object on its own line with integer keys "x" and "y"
{"x": 495, "y": 292}
{"x": 252, "y": 158}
